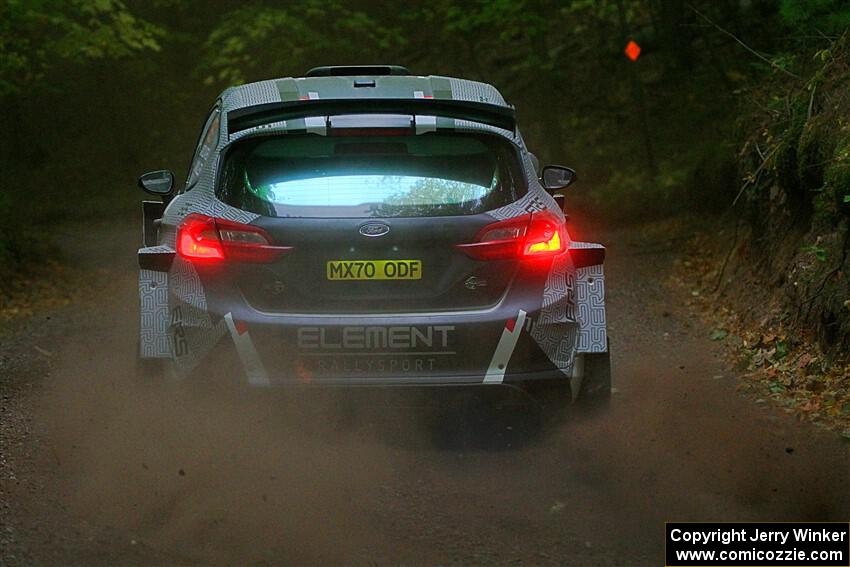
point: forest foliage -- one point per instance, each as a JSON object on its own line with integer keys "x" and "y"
{"x": 96, "y": 91}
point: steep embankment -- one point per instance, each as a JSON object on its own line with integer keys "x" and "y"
{"x": 774, "y": 275}
{"x": 798, "y": 164}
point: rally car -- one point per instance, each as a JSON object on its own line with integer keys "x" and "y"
{"x": 364, "y": 226}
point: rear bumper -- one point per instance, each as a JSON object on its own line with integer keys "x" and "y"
{"x": 527, "y": 336}
{"x": 225, "y": 363}
{"x": 460, "y": 349}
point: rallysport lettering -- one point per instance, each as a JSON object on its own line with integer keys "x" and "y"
{"x": 357, "y": 338}
{"x": 380, "y": 366}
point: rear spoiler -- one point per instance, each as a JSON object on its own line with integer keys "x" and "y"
{"x": 491, "y": 114}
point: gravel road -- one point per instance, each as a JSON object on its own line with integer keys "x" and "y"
{"x": 96, "y": 470}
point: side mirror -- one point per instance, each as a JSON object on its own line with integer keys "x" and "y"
{"x": 557, "y": 177}
{"x": 159, "y": 183}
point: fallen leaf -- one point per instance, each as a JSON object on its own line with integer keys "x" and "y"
{"x": 718, "y": 334}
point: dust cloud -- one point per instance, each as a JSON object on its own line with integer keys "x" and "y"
{"x": 217, "y": 474}
{"x": 223, "y": 475}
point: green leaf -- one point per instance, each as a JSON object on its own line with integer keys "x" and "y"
{"x": 818, "y": 251}
{"x": 718, "y": 334}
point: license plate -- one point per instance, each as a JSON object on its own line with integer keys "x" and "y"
{"x": 374, "y": 270}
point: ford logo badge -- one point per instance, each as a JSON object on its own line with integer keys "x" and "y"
{"x": 374, "y": 229}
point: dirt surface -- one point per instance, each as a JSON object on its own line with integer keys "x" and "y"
{"x": 98, "y": 470}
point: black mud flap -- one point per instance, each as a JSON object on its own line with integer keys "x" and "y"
{"x": 151, "y": 214}
{"x": 595, "y": 389}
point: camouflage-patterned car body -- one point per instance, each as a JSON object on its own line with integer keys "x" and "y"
{"x": 539, "y": 330}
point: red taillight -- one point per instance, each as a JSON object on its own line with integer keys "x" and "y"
{"x": 197, "y": 239}
{"x": 545, "y": 236}
{"x": 529, "y": 236}
{"x": 201, "y": 238}
{"x": 499, "y": 240}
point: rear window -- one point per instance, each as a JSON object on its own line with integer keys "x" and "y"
{"x": 433, "y": 174}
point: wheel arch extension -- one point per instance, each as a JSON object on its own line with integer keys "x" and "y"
{"x": 588, "y": 258}
{"x": 153, "y": 314}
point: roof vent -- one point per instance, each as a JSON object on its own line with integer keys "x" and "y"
{"x": 357, "y": 70}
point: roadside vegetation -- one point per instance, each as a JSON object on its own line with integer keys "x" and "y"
{"x": 734, "y": 111}
{"x": 775, "y": 284}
